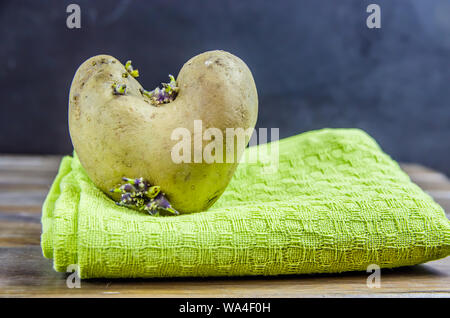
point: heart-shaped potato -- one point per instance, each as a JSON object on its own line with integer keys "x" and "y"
{"x": 125, "y": 135}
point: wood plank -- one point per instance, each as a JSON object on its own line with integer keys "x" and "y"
{"x": 19, "y": 233}
{"x": 26, "y": 273}
{"x": 14, "y": 179}
{"x": 29, "y": 163}
{"x": 414, "y": 168}
{"x": 23, "y": 198}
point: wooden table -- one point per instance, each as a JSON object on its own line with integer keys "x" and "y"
{"x": 24, "y": 272}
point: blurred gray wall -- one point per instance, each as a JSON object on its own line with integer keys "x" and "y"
{"x": 315, "y": 63}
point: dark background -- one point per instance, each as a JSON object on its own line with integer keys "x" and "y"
{"x": 315, "y": 64}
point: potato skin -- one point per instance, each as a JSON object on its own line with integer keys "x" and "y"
{"x": 124, "y": 135}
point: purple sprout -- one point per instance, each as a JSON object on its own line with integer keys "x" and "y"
{"x": 119, "y": 89}
{"x": 160, "y": 204}
{"x": 166, "y": 94}
{"x": 139, "y": 194}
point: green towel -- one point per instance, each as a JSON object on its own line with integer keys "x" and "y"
{"x": 336, "y": 203}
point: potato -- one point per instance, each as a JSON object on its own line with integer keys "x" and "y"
{"x": 118, "y": 136}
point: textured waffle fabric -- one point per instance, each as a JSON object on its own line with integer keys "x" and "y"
{"x": 336, "y": 203}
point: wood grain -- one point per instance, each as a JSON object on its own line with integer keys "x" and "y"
{"x": 24, "y": 272}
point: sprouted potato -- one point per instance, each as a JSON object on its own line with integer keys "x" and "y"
{"x": 121, "y": 131}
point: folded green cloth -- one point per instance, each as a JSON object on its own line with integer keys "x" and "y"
{"x": 336, "y": 203}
